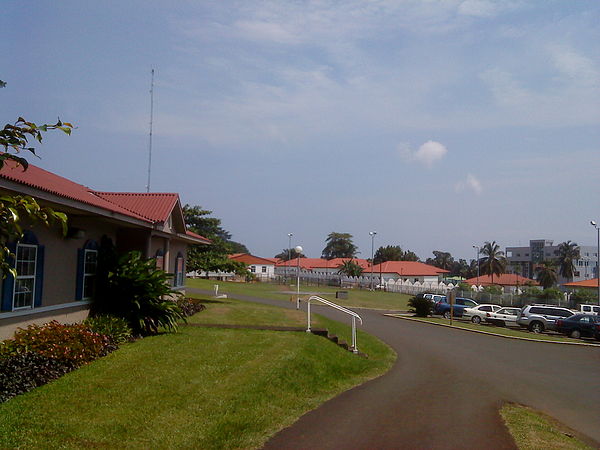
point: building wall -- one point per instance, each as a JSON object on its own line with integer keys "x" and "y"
{"x": 268, "y": 273}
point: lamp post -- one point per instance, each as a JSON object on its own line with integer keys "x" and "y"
{"x": 372, "y": 234}
{"x": 298, "y": 252}
{"x": 595, "y": 225}
{"x": 477, "y": 248}
{"x": 287, "y": 263}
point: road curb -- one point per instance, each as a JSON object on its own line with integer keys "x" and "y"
{"x": 584, "y": 344}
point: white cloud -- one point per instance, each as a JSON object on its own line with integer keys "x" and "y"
{"x": 427, "y": 154}
{"x": 471, "y": 183}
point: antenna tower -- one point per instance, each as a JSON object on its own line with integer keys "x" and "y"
{"x": 150, "y": 140}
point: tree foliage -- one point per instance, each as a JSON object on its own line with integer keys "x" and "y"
{"x": 493, "y": 262}
{"x": 288, "y": 254}
{"x": 568, "y": 253}
{"x": 546, "y": 274}
{"x": 339, "y": 245}
{"x": 443, "y": 260}
{"x": 393, "y": 253}
{"x": 350, "y": 269}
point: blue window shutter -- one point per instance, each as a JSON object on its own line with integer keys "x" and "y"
{"x": 39, "y": 277}
{"x": 80, "y": 263}
{"x": 8, "y": 284}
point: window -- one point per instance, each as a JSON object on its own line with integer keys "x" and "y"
{"x": 24, "y": 291}
{"x": 87, "y": 266}
{"x": 253, "y": 269}
{"x": 264, "y": 269}
{"x": 179, "y": 270}
{"x": 160, "y": 259}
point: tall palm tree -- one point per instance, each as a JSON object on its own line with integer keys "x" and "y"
{"x": 568, "y": 253}
{"x": 493, "y": 262}
{"x": 546, "y": 274}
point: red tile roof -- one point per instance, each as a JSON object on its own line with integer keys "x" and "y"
{"x": 154, "y": 206}
{"x": 407, "y": 268}
{"x": 250, "y": 259}
{"x": 54, "y": 184}
{"x": 197, "y": 236}
{"x": 305, "y": 263}
{"x": 592, "y": 283}
{"x": 506, "y": 279}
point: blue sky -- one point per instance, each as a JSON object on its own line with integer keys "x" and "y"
{"x": 439, "y": 124}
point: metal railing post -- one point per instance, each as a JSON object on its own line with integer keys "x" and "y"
{"x": 308, "y": 316}
{"x": 354, "y": 349}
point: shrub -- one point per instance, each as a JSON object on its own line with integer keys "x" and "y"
{"x": 493, "y": 289}
{"x": 585, "y": 296}
{"x": 190, "y": 306}
{"x": 421, "y": 306}
{"x": 22, "y": 372}
{"x": 116, "y": 328}
{"x": 72, "y": 344}
{"x": 551, "y": 294}
{"x": 135, "y": 290}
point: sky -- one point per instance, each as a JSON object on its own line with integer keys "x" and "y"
{"x": 440, "y": 124}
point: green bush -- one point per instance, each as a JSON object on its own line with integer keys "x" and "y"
{"x": 493, "y": 289}
{"x": 22, "y": 372}
{"x": 585, "y": 296}
{"x": 551, "y": 294}
{"x": 116, "y": 328}
{"x": 73, "y": 344}
{"x": 190, "y": 306}
{"x": 420, "y": 305}
{"x": 137, "y": 291}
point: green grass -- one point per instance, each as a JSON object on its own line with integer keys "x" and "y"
{"x": 533, "y": 430}
{"x": 357, "y": 298}
{"x": 502, "y": 330}
{"x": 199, "y": 388}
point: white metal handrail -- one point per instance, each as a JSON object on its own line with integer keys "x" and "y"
{"x": 339, "y": 308}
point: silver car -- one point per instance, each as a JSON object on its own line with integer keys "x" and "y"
{"x": 538, "y": 318}
{"x": 505, "y": 317}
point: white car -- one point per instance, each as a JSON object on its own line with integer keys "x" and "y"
{"x": 505, "y": 317}
{"x": 477, "y": 313}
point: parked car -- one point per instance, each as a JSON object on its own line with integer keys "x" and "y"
{"x": 538, "y": 318}
{"x": 477, "y": 314}
{"x": 589, "y": 309}
{"x": 443, "y": 307}
{"x": 580, "y": 325}
{"x": 504, "y": 317}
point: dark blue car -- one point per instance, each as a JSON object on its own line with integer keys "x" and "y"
{"x": 580, "y": 325}
{"x": 443, "y": 307}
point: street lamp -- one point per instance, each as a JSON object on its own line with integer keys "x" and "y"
{"x": 298, "y": 252}
{"x": 477, "y": 247}
{"x": 595, "y": 225}
{"x": 372, "y": 234}
{"x": 287, "y": 263}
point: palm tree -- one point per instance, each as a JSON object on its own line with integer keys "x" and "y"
{"x": 350, "y": 269}
{"x": 568, "y": 253}
{"x": 546, "y": 274}
{"x": 494, "y": 262}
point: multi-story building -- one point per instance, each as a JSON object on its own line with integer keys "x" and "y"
{"x": 524, "y": 260}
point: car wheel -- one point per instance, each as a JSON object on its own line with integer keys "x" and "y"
{"x": 575, "y": 334}
{"x": 447, "y": 315}
{"x": 536, "y": 327}
{"x": 476, "y": 319}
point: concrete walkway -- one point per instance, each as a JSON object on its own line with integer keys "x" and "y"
{"x": 446, "y": 388}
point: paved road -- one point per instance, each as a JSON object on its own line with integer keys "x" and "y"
{"x": 445, "y": 389}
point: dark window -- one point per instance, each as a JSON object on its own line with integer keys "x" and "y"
{"x": 485, "y": 308}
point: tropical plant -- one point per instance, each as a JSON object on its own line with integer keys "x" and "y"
{"x": 568, "y": 253}
{"x": 546, "y": 274}
{"x": 493, "y": 262}
{"x": 287, "y": 254}
{"x": 350, "y": 269}
{"x": 140, "y": 293}
{"x": 493, "y": 289}
{"x": 443, "y": 260}
{"x": 116, "y": 328}
{"x": 551, "y": 294}
{"x": 585, "y": 296}
{"x": 420, "y": 305}
{"x": 339, "y": 245}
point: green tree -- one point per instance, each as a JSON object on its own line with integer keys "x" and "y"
{"x": 289, "y": 254}
{"x": 410, "y": 256}
{"x": 568, "y": 253}
{"x": 388, "y": 253}
{"x": 493, "y": 262}
{"x": 546, "y": 274}
{"x": 443, "y": 260}
{"x": 339, "y": 245}
{"x": 585, "y": 296}
{"x": 350, "y": 269}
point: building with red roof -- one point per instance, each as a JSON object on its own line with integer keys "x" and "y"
{"x": 407, "y": 271}
{"x": 508, "y": 281}
{"x": 262, "y": 268}
{"x": 56, "y": 275}
{"x": 584, "y": 284}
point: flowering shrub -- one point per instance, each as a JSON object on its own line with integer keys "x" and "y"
{"x": 75, "y": 343}
{"x": 115, "y": 328}
{"x": 190, "y": 306}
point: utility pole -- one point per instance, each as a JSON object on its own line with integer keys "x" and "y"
{"x": 151, "y": 120}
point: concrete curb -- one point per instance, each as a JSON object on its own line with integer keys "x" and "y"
{"x": 585, "y": 344}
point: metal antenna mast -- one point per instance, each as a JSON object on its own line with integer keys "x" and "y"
{"x": 150, "y": 141}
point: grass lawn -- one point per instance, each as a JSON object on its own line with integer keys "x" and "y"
{"x": 198, "y": 388}
{"x": 357, "y": 298}
{"x": 534, "y": 430}
{"x": 504, "y": 331}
